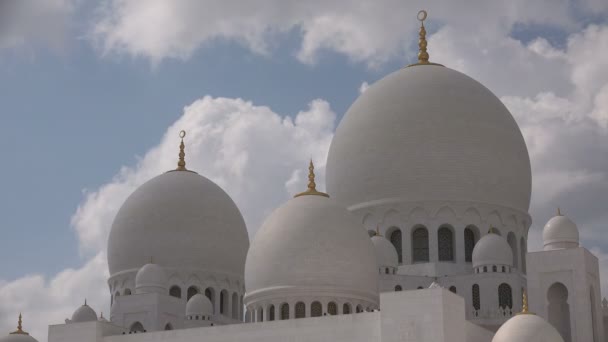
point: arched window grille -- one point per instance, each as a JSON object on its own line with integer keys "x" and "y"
{"x": 332, "y": 308}
{"x": 137, "y": 327}
{"x": 316, "y": 310}
{"x": 175, "y": 291}
{"x": 453, "y": 289}
{"x": 300, "y": 310}
{"x": 476, "y": 298}
{"x": 445, "y": 244}
{"x": 469, "y": 244}
{"x": 271, "y": 313}
{"x": 284, "y": 311}
{"x": 192, "y": 290}
{"x": 398, "y": 288}
{"x": 359, "y": 308}
{"x": 420, "y": 243}
{"x": 346, "y": 309}
{"x": 396, "y": 240}
{"x": 505, "y": 296}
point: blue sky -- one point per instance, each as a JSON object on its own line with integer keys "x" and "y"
{"x": 92, "y": 95}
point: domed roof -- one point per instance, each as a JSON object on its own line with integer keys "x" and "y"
{"x": 386, "y": 254}
{"x": 84, "y": 314}
{"x": 492, "y": 249}
{"x": 312, "y": 242}
{"x": 151, "y": 275}
{"x": 527, "y": 328}
{"x": 560, "y": 232}
{"x": 428, "y": 132}
{"x": 199, "y": 305}
{"x": 182, "y": 219}
{"x": 19, "y": 335}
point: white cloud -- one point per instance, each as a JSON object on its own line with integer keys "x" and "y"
{"x": 363, "y": 87}
{"x": 24, "y": 23}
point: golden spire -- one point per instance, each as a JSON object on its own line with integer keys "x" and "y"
{"x": 524, "y": 304}
{"x": 312, "y": 186}
{"x": 181, "y": 164}
{"x": 492, "y": 230}
{"x": 423, "y": 55}
{"x": 19, "y": 330}
{"x": 378, "y": 230}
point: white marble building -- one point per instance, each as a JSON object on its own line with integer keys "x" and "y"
{"x": 422, "y": 236}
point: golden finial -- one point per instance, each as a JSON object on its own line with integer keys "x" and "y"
{"x": 423, "y": 55}
{"x": 559, "y": 212}
{"x": 312, "y": 186}
{"x": 181, "y": 164}
{"x": 524, "y": 304}
{"x": 492, "y": 230}
{"x": 19, "y": 330}
{"x": 378, "y": 230}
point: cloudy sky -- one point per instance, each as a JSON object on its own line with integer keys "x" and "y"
{"x": 93, "y": 95}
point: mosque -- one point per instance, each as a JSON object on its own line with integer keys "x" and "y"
{"x": 421, "y": 237}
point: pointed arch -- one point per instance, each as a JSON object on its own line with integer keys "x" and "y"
{"x": 271, "y": 313}
{"x": 332, "y": 308}
{"x": 558, "y": 309}
{"x": 210, "y": 294}
{"x": 346, "y": 309}
{"x": 316, "y": 310}
{"x": 445, "y": 243}
{"x": 476, "y": 297}
{"x": 420, "y": 244}
{"x": 300, "y": 310}
{"x": 192, "y": 290}
{"x": 136, "y": 327}
{"x": 175, "y": 291}
{"x": 505, "y": 296}
{"x": 471, "y": 235}
{"x": 396, "y": 239}
{"x": 284, "y": 311}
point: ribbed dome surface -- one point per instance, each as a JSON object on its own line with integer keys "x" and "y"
{"x": 429, "y": 133}
{"x": 184, "y": 221}
{"x": 312, "y": 242}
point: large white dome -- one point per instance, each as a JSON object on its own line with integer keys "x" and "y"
{"x": 527, "y": 328}
{"x": 428, "y": 132}
{"x": 386, "y": 254}
{"x": 311, "y": 244}
{"x": 184, "y": 221}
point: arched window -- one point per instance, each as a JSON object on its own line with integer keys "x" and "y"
{"x": 209, "y": 293}
{"x": 192, "y": 290}
{"x": 396, "y": 240}
{"x": 127, "y": 292}
{"x": 523, "y": 249}
{"x": 420, "y": 288}
{"x": 512, "y": 240}
{"x": 469, "y": 243}
{"x": 503, "y": 269}
{"x": 224, "y": 304}
{"x": 235, "y": 306}
{"x": 476, "y": 298}
{"x": 485, "y": 269}
{"x": 247, "y": 316}
{"x": 346, "y": 309}
{"x": 316, "y": 310}
{"x": 271, "y": 313}
{"x": 453, "y": 289}
{"x": 241, "y": 307}
{"x": 420, "y": 245}
{"x": 260, "y": 315}
{"x": 359, "y": 308}
{"x": 398, "y": 288}
{"x": 300, "y": 310}
{"x": 445, "y": 244}
{"x": 175, "y": 291}
{"x": 136, "y": 327}
{"x": 505, "y": 296}
{"x": 284, "y": 311}
{"x": 559, "y": 310}
{"x": 494, "y": 269}
{"x": 168, "y": 326}
{"x": 332, "y": 308}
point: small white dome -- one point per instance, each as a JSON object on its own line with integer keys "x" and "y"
{"x": 435, "y": 285}
{"x": 151, "y": 278}
{"x": 492, "y": 249}
{"x": 386, "y": 254}
{"x": 199, "y": 305}
{"x": 527, "y": 328}
{"x": 84, "y": 314}
{"x": 560, "y": 232}
{"x": 18, "y": 338}
{"x": 311, "y": 243}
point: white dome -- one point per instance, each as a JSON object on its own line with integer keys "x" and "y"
{"x": 560, "y": 232}
{"x": 386, "y": 254}
{"x": 183, "y": 220}
{"x": 199, "y": 305}
{"x": 18, "y": 338}
{"x": 84, "y": 314}
{"x": 527, "y": 328}
{"x": 492, "y": 249}
{"x": 428, "y": 133}
{"x": 311, "y": 243}
{"x": 151, "y": 278}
